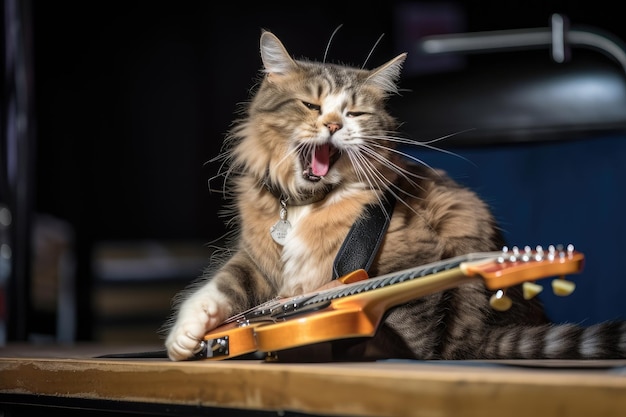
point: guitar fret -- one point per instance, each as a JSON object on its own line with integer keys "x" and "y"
{"x": 374, "y": 283}
{"x": 275, "y": 308}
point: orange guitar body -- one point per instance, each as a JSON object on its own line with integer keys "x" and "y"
{"x": 237, "y": 336}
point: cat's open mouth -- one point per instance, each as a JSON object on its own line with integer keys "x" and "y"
{"x": 318, "y": 161}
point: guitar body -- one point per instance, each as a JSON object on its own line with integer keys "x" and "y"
{"x": 237, "y": 336}
{"x": 327, "y": 325}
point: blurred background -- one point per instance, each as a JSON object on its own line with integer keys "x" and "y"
{"x": 112, "y": 111}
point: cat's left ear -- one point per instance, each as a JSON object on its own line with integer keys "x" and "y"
{"x": 386, "y": 76}
{"x": 275, "y": 58}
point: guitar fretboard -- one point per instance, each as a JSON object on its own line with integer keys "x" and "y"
{"x": 383, "y": 281}
{"x": 319, "y": 300}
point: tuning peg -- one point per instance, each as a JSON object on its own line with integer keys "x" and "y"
{"x": 563, "y": 287}
{"x": 531, "y": 289}
{"x": 500, "y": 301}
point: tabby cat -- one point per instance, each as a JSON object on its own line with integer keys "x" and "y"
{"x": 313, "y": 147}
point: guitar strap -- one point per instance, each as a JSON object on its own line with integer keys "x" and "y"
{"x": 364, "y": 238}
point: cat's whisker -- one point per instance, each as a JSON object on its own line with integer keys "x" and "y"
{"x": 372, "y": 50}
{"x": 330, "y": 41}
{"x": 365, "y": 170}
{"x": 434, "y": 148}
{"x": 395, "y": 139}
{"x": 407, "y": 156}
{"x": 362, "y": 168}
{"x": 439, "y": 139}
{"x": 362, "y": 162}
{"x": 394, "y": 167}
{"x": 427, "y": 145}
{"x": 389, "y": 186}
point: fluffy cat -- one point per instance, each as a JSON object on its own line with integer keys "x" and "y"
{"x": 313, "y": 147}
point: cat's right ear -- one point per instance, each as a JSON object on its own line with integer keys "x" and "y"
{"x": 275, "y": 58}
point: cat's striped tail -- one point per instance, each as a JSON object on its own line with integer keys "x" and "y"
{"x": 556, "y": 341}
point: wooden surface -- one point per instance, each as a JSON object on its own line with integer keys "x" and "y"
{"x": 386, "y": 388}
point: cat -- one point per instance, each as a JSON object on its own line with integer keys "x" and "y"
{"x": 313, "y": 146}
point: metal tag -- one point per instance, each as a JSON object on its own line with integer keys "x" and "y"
{"x": 279, "y": 231}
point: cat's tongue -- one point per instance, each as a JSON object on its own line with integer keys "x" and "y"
{"x": 321, "y": 160}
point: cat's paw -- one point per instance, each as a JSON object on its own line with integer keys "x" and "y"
{"x": 195, "y": 318}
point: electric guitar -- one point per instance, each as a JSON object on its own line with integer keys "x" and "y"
{"x": 355, "y": 307}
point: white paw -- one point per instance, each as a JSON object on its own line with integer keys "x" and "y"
{"x": 183, "y": 340}
{"x": 195, "y": 318}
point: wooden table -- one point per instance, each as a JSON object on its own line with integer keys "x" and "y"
{"x": 70, "y": 381}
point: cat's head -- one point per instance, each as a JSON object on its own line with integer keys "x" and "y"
{"x": 313, "y": 126}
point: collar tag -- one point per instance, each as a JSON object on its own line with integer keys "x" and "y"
{"x": 282, "y": 227}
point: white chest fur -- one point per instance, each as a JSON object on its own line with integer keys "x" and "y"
{"x": 302, "y": 270}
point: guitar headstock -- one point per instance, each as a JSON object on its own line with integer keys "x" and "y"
{"x": 514, "y": 266}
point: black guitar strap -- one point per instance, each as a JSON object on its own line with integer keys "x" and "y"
{"x": 364, "y": 238}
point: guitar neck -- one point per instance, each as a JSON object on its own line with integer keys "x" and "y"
{"x": 496, "y": 270}
{"x": 395, "y": 288}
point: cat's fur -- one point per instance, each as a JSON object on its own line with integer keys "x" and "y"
{"x": 336, "y": 115}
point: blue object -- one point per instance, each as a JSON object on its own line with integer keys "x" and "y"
{"x": 557, "y": 192}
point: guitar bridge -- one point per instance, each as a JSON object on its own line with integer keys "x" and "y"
{"x": 212, "y": 348}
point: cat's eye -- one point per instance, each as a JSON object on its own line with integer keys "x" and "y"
{"x": 312, "y": 106}
{"x": 355, "y": 113}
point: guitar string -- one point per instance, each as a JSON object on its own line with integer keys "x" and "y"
{"x": 384, "y": 280}
{"x": 267, "y": 308}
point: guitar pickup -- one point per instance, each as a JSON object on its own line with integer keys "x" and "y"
{"x": 258, "y": 314}
{"x": 292, "y": 305}
{"x": 294, "y": 309}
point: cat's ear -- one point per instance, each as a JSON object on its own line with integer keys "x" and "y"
{"x": 386, "y": 76}
{"x": 275, "y": 58}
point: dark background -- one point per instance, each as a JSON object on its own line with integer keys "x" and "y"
{"x": 133, "y": 98}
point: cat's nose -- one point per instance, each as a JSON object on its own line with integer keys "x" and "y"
{"x": 333, "y": 127}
